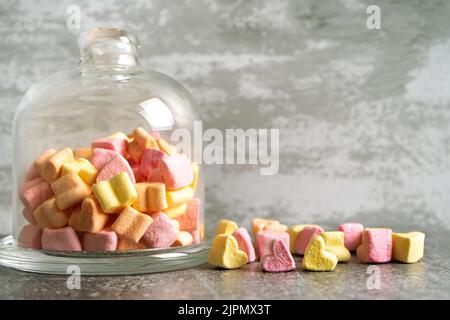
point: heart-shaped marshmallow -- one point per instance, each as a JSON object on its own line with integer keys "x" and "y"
{"x": 225, "y": 252}
{"x": 245, "y": 243}
{"x": 280, "y": 260}
{"x": 317, "y": 258}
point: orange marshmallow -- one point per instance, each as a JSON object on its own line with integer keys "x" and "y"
{"x": 144, "y": 139}
{"x": 70, "y": 190}
{"x": 131, "y": 224}
{"x": 41, "y": 219}
{"x": 135, "y": 151}
{"x": 89, "y": 217}
{"x": 151, "y": 197}
{"x": 49, "y": 165}
{"x": 85, "y": 153}
{"x": 57, "y": 217}
{"x": 125, "y": 245}
{"x": 166, "y": 147}
{"x": 258, "y": 224}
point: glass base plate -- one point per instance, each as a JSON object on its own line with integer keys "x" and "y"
{"x": 102, "y": 263}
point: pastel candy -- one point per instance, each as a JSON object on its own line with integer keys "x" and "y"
{"x": 151, "y": 197}
{"x": 30, "y": 237}
{"x": 294, "y": 232}
{"x": 175, "y": 171}
{"x": 258, "y": 224}
{"x": 352, "y": 235}
{"x": 408, "y": 247}
{"x": 49, "y": 165}
{"x": 245, "y": 243}
{"x": 101, "y": 157}
{"x": 225, "y": 226}
{"x": 275, "y": 227}
{"x": 179, "y": 196}
{"x": 225, "y": 252}
{"x": 184, "y": 239}
{"x": 64, "y": 239}
{"x": 317, "y": 258}
{"x": 264, "y": 240}
{"x": 48, "y": 215}
{"x": 135, "y": 151}
{"x": 89, "y": 217}
{"x": 31, "y": 173}
{"x": 137, "y": 175}
{"x": 114, "y": 166}
{"x": 83, "y": 168}
{"x": 334, "y": 242}
{"x": 196, "y": 172}
{"x": 34, "y": 192}
{"x": 131, "y": 224}
{"x": 280, "y": 259}
{"x": 305, "y": 236}
{"x": 376, "y": 246}
{"x": 150, "y": 161}
{"x": 166, "y": 147}
{"x": 177, "y": 211}
{"x": 28, "y": 214}
{"x": 105, "y": 240}
{"x": 144, "y": 139}
{"x": 190, "y": 220}
{"x": 85, "y": 153}
{"x": 70, "y": 190}
{"x": 115, "y": 194}
{"x": 116, "y": 144}
{"x": 126, "y": 245}
{"x": 161, "y": 233}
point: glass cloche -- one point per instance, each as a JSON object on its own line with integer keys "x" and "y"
{"x": 99, "y": 180}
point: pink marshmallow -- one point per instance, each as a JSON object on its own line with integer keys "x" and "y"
{"x": 280, "y": 259}
{"x": 376, "y": 246}
{"x": 190, "y": 220}
{"x": 28, "y": 214}
{"x": 30, "y": 237}
{"x": 135, "y": 167}
{"x": 176, "y": 171}
{"x": 264, "y": 240}
{"x": 34, "y": 192}
{"x": 196, "y": 236}
{"x": 31, "y": 173}
{"x": 352, "y": 235}
{"x": 150, "y": 161}
{"x": 305, "y": 236}
{"x": 100, "y": 157}
{"x": 64, "y": 239}
{"x": 245, "y": 243}
{"x": 154, "y": 176}
{"x": 105, "y": 240}
{"x": 161, "y": 233}
{"x": 116, "y": 165}
{"x": 155, "y": 135}
{"x": 116, "y": 144}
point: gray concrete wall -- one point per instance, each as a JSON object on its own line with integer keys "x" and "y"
{"x": 363, "y": 114}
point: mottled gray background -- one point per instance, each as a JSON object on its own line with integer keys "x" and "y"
{"x": 363, "y": 113}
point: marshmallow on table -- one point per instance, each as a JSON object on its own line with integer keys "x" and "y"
{"x": 190, "y": 220}
{"x": 317, "y": 258}
{"x": 166, "y": 147}
{"x": 408, "y": 247}
{"x": 48, "y": 215}
{"x": 30, "y": 237}
{"x": 184, "y": 239}
{"x": 161, "y": 233}
{"x": 304, "y": 238}
{"x": 116, "y": 193}
{"x": 89, "y": 217}
{"x": 177, "y": 211}
{"x": 376, "y": 246}
{"x": 83, "y": 168}
{"x": 114, "y": 166}
{"x": 116, "y": 144}
{"x": 175, "y": 171}
{"x": 334, "y": 242}
{"x": 280, "y": 258}
{"x": 64, "y": 239}
{"x": 258, "y": 224}
{"x": 49, "y": 164}
{"x": 245, "y": 243}
{"x": 70, "y": 190}
{"x": 225, "y": 226}
{"x": 149, "y": 161}
{"x": 225, "y": 252}
{"x": 264, "y": 240}
{"x": 85, "y": 153}
{"x": 126, "y": 245}
{"x": 131, "y": 224}
{"x": 179, "y": 196}
{"x": 151, "y": 197}
{"x": 105, "y": 240}
{"x": 294, "y": 232}
{"x": 34, "y": 192}
{"x": 352, "y": 235}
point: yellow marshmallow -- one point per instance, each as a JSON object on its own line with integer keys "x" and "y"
{"x": 166, "y": 147}
{"x": 179, "y": 196}
{"x": 294, "y": 232}
{"x": 116, "y": 193}
{"x": 258, "y": 224}
{"x": 225, "y": 252}
{"x": 119, "y": 135}
{"x": 196, "y": 171}
{"x": 317, "y": 258}
{"x": 175, "y": 212}
{"x": 151, "y": 197}
{"x": 408, "y": 247}
{"x": 83, "y": 168}
{"x": 226, "y": 227}
{"x": 334, "y": 242}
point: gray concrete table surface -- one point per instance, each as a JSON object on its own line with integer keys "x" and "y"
{"x": 427, "y": 279}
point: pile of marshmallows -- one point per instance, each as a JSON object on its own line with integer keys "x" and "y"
{"x": 321, "y": 250}
{"x": 123, "y": 193}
